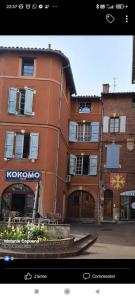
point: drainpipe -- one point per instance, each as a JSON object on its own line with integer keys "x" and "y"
{"x": 58, "y": 139}
{"x": 100, "y": 165}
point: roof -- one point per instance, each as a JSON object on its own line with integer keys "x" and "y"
{"x": 58, "y": 53}
{"x": 118, "y": 94}
{"x": 86, "y": 97}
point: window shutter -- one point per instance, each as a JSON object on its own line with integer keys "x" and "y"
{"x": 113, "y": 154}
{"x": 34, "y": 139}
{"x": 122, "y": 123}
{"x": 95, "y": 131}
{"x": 12, "y": 95}
{"x": 105, "y": 124}
{"x": 73, "y": 131}
{"x": 19, "y": 145}
{"x": 72, "y": 164}
{"x": 93, "y": 165}
{"x": 9, "y": 144}
{"x": 28, "y": 101}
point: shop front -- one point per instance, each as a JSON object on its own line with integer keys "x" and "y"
{"x": 18, "y": 197}
{"x": 127, "y": 206}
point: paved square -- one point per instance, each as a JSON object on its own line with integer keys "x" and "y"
{"x": 114, "y": 240}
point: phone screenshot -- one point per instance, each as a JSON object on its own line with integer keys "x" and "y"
{"x": 67, "y": 159}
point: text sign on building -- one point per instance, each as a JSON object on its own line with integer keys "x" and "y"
{"x": 22, "y": 175}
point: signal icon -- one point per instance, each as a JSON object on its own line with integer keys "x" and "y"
{"x": 97, "y": 6}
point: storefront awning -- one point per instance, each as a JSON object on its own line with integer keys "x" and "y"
{"x": 128, "y": 193}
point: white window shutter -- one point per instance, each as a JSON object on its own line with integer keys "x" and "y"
{"x": 12, "y": 95}
{"x": 34, "y": 140}
{"x": 9, "y": 144}
{"x": 72, "y": 164}
{"x": 19, "y": 145}
{"x": 28, "y": 101}
{"x": 93, "y": 165}
{"x": 105, "y": 124}
{"x": 122, "y": 123}
{"x": 73, "y": 131}
{"x": 95, "y": 131}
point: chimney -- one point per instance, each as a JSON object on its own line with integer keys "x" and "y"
{"x": 106, "y": 88}
{"x": 49, "y": 46}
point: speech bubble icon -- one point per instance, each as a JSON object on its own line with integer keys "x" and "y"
{"x": 86, "y": 276}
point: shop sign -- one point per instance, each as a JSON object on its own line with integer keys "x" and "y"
{"x": 22, "y": 175}
{"x": 133, "y": 205}
{"x": 128, "y": 193}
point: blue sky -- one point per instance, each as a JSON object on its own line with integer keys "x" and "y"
{"x": 94, "y": 59}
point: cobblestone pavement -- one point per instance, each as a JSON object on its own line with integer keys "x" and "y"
{"x": 114, "y": 240}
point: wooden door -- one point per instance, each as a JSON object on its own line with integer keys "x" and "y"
{"x": 73, "y": 205}
{"x": 87, "y": 205}
{"x": 108, "y": 204}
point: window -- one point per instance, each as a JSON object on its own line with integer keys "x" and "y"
{"x": 19, "y": 145}
{"x": 20, "y": 101}
{"x": 83, "y": 165}
{"x": 27, "y": 66}
{"x": 133, "y": 102}
{"x": 114, "y": 124}
{"x": 113, "y": 154}
{"x": 22, "y": 145}
{"x": 84, "y": 107}
{"x": 83, "y": 132}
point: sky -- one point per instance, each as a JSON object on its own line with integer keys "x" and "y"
{"x": 94, "y": 59}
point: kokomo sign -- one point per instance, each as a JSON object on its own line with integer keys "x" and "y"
{"x": 20, "y": 175}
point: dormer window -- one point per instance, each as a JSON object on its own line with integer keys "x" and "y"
{"x": 27, "y": 67}
{"x": 84, "y": 107}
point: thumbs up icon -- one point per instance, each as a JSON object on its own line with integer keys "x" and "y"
{"x": 27, "y": 276}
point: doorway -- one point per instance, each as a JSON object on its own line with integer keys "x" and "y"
{"x": 132, "y": 208}
{"x": 127, "y": 208}
{"x": 17, "y": 197}
{"x": 108, "y": 205}
{"x": 18, "y": 203}
{"x": 80, "y": 206}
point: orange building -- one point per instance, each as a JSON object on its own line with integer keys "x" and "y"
{"x": 36, "y": 86}
{"x": 84, "y": 140}
{"x": 47, "y": 136}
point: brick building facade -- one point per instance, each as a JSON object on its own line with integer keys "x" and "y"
{"x": 50, "y": 136}
{"x": 84, "y": 142}
{"x": 36, "y": 87}
{"x": 118, "y": 156}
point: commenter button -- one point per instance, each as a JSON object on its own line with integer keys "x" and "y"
{"x": 103, "y": 276}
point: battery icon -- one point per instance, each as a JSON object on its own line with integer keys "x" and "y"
{"x": 120, "y": 6}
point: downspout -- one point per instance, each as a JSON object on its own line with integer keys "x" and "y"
{"x": 58, "y": 138}
{"x": 100, "y": 164}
